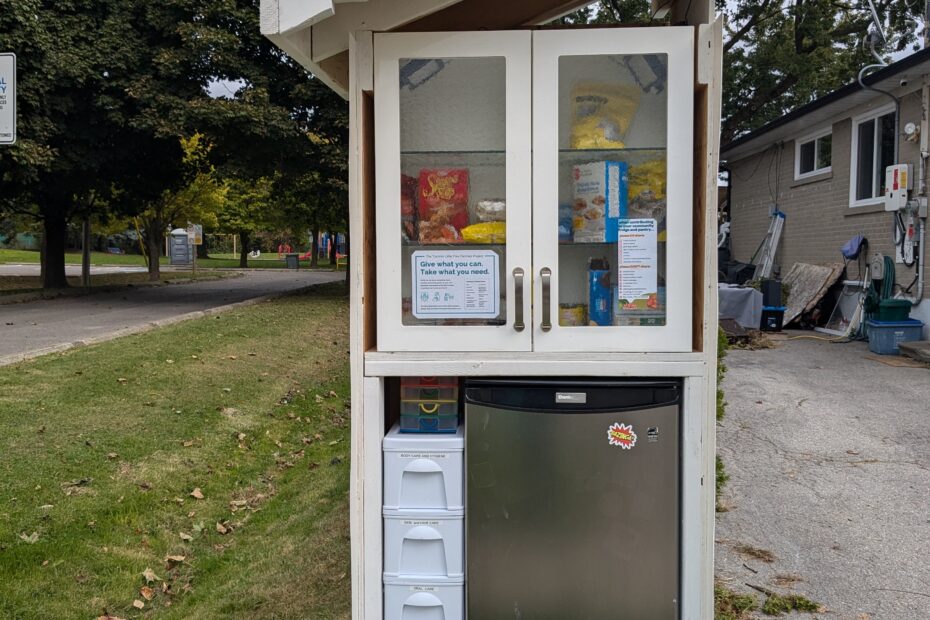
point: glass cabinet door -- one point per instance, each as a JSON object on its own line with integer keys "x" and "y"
{"x": 612, "y": 148}
{"x": 452, "y": 145}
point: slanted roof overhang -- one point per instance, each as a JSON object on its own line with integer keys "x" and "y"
{"x": 315, "y": 33}
{"x": 818, "y": 113}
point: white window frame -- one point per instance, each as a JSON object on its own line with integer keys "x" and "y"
{"x": 854, "y": 154}
{"x": 811, "y": 137}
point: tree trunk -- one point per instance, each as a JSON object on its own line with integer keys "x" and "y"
{"x": 202, "y": 249}
{"x": 243, "y": 249}
{"x": 332, "y": 250}
{"x": 154, "y": 239}
{"x": 55, "y": 238}
{"x": 315, "y": 248}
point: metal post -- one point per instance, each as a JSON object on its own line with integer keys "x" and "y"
{"x": 85, "y": 254}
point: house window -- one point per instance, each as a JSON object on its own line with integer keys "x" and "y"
{"x": 813, "y": 154}
{"x": 873, "y": 150}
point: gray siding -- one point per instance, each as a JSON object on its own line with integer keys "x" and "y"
{"x": 819, "y": 219}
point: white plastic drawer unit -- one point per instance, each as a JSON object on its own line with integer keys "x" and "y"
{"x": 423, "y": 472}
{"x": 408, "y": 601}
{"x": 426, "y": 546}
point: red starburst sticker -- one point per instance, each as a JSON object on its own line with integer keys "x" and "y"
{"x": 621, "y": 435}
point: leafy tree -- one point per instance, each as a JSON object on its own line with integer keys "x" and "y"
{"x": 69, "y": 114}
{"x": 248, "y": 209}
{"x": 781, "y": 54}
{"x": 198, "y": 198}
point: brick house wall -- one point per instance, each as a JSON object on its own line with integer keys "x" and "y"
{"x": 819, "y": 219}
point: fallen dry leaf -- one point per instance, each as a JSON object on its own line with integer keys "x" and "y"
{"x": 222, "y": 529}
{"x": 112, "y": 455}
{"x": 191, "y": 514}
{"x": 45, "y": 563}
{"x": 107, "y": 616}
{"x": 30, "y": 538}
{"x": 138, "y": 604}
{"x": 188, "y": 443}
{"x": 121, "y": 380}
{"x": 318, "y": 398}
{"x": 231, "y": 357}
{"x": 185, "y": 536}
{"x": 169, "y": 361}
{"x": 197, "y": 493}
{"x": 149, "y": 575}
{"x": 174, "y": 559}
{"x": 147, "y": 592}
{"x": 333, "y": 394}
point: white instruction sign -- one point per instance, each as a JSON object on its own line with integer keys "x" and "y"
{"x": 456, "y": 284}
{"x": 638, "y": 260}
{"x": 7, "y": 98}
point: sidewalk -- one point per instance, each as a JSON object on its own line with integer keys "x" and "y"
{"x": 48, "y": 325}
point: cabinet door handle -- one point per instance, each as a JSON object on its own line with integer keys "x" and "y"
{"x": 545, "y": 275}
{"x": 518, "y": 323}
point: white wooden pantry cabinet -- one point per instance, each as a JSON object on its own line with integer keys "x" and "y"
{"x": 514, "y": 136}
{"x": 506, "y": 107}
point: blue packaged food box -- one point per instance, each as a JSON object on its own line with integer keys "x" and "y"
{"x": 598, "y": 201}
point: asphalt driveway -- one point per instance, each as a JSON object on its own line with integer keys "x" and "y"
{"x": 829, "y": 457}
{"x": 47, "y": 325}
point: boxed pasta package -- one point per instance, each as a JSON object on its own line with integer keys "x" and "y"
{"x": 599, "y": 200}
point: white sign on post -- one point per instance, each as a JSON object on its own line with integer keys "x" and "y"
{"x": 456, "y": 284}
{"x": 195, "y": 234}
{"x": 7, "y": 98}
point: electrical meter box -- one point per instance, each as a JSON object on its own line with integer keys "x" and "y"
{"x": 898, "y": 182}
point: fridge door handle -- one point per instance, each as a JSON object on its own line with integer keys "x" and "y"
{"x": 518, "y": 323}
{"x": 545, "y": 274}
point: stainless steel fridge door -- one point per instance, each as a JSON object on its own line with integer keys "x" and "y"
{"x": 571, "y": 515}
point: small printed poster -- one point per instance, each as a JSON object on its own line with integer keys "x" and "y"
{"x": 456, "y": 284}
{"x": 638, "y": 261}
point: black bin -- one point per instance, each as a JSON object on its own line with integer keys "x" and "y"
{"x": 292, "y": 261}
{"x": 771, "y": 293}
{"x": 772, "y": 318}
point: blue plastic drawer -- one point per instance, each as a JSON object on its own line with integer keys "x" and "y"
{"x": 429, "y": 423}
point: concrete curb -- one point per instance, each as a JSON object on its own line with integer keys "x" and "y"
{"x": 6, "y": 360}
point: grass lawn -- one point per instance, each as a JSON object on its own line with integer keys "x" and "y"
{"x": 107, "y": 451}
{"x": 269, "y": 261}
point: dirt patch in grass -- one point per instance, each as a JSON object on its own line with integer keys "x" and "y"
{"x": 787, "y": 580}
{"x": 268, "y": 539}
{"x": 749, "y": 551}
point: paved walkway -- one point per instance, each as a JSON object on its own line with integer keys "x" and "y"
{"x": 34, "y": 269}
{"x": 54, "y": 324}
{"x": 829, "y": 457}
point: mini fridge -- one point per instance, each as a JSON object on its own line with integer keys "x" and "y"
{"x": 573, "y": 499}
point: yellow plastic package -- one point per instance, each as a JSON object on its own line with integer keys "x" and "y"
{"x": 647, "y": 177}
{"x": 601, "y": 114}
{"x": 485, "y": 232}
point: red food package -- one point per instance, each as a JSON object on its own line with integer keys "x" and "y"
{"x": 442, "y": 204}
{"x": 408, "y": 207}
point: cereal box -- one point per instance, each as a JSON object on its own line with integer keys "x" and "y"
{"x": 442, "y": 201}
{"x": 599, "y": 200}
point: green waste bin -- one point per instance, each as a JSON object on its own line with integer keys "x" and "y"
{"x": 893, "y": 310}
{"x": 292, "y": 261}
